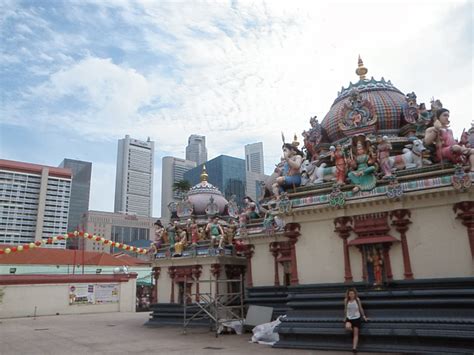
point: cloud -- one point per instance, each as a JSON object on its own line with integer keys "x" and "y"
{"x": 237, "y": 72}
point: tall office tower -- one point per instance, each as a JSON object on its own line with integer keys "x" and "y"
{"x": 34, "y": 202}
{"x": 134, "y": 179}
{"x": 173, "y": 170}
{"x": 226, "y": 173}
{"x": 254, "y": 169}
{"x": 196, "y": 150}
{"x": 80, "y": 192}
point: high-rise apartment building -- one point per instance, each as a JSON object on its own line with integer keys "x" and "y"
{"x": 173, "y": 170}
{"x": 196, "y": 150}
{"x": 254, "y": 169}
{"x": 134, "y": 178}
{"x": 226, "y": 173}
{"x": 34, "y": 202}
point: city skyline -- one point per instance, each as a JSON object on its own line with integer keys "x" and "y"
{"x": 234, "y": 73}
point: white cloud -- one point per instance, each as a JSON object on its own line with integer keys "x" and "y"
{"x": 244, "y": 72}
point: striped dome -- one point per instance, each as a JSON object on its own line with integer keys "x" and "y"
{"x": 386, "y": 99}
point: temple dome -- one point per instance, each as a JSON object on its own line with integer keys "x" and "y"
{"x": 386, "y": 100}
{"x": 204, "y": 193}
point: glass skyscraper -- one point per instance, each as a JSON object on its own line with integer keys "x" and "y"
{"x": 226, "y": 173}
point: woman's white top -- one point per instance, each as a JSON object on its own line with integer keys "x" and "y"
{"x": 353, "y": 310}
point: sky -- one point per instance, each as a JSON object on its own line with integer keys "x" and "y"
{"x": 76, "y": 76}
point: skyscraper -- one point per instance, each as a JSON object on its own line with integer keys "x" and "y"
{"x": 254, "y": 169}
{"x": 196, "y": 150}
{"x": 226, "y": 173}
{"x": 173, "y": 170}
{"x": 34, "y": 202}
{"x": 80, "y": 191}
{"x": 134, "y": 178}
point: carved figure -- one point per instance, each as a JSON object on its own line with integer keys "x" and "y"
{"x": 194, "y": 231}
{"x": 251, "y": 208}
{"x": 411, "y": 158}
{"x": 215, "y": 232}
{"x": 447, "y": 148}
{"x": 339, "y": 158}
{"x": 383, "y": 153}
{"x": 159, "y": 229}
{"x": 181, "y": 243}
{"x": 171, "y": 229}
{"x": 363, "y": 175}
{"x": 289, "y": 174}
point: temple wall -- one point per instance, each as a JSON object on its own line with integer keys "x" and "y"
{"x": 438, "y": 242}
{"x": 263, "y": 264}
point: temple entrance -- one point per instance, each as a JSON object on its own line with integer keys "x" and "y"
{"x": 184, "y": 292}
{"x": 286, "y": 273}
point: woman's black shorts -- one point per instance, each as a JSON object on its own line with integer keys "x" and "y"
{"x": 355, "y": 322}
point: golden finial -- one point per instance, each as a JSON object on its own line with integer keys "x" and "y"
{"x": 295, "y": 141}
{"x": 204, "y": 175}
{"x": 361, "y": 70}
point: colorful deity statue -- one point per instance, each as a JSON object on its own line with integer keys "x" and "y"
{"x": 384, "y": 148}
{"x": 171, "y": 232}
{"x": 181, "y": 243}
{"x": 339, "y": 158}
{"x": 447, "y": 148}
{"x": 230, "y": 231}
{"x": 312, "y": 138}
{"x": 243, "y": 218}
{"x": 215, "y": 232}
{"x": 289, "y": 174}
{"x": 159, "y": 230}
{"x": 193, "y": 230}
{"x": 251, "y": 208}
{"x": 363, "y": 175}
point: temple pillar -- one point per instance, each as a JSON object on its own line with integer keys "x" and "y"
{"x": 401, "y": 220}
{"x": 387, "y": 263}
{"x": 275, "y": 250}
{"x": 343, "y": 228}
{"x": 248, "y": 253}
{"x": 172, "y": 273}
{"x": 216, "y": 272}
{"x": 465, "y": 212}
{"x": 292, "y": 232}
{"x": 196, "y": 272}
{"x": 156, "y": 274}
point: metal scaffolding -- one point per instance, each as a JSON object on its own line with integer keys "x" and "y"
{"x": 217, "y": 306}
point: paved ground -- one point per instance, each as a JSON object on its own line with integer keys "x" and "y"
{"x": 120, "y": 333}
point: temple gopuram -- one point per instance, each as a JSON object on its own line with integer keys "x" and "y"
{"x": 377, "y": 196}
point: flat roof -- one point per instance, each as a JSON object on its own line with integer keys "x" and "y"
{"x": 23, "y": 167}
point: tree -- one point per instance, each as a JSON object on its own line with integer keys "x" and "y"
{"x": 181, "y": 187}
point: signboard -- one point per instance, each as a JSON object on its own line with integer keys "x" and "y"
{"x": 81, "y": 294}
{"x": 93, "y": 294}
{"x": 106, "y": 293}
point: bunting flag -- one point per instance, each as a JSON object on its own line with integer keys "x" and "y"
{"x": 75, "y": 234}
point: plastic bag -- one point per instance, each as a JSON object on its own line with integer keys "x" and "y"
{"x": 264, "y": 333}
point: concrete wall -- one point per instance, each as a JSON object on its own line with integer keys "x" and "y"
{"x": 27, "y": 300}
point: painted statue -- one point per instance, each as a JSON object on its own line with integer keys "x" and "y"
{"x": 339, "y": 159}
{"x": 181, "y": 243}
{"x": 363, "y": 175}
{"x": 383, "y": 153}
{"x": 289, "y": 174}
{"x": 215, "y": 232}
{"x": 193, "y": 231}
{"x": 412, "y": 157}
{"x": 243, "y": 218}
{"x": 251, "y": 208}
{"x": 171, "y": 230}
{"x": 159, "y": 230}
{"x": 447, "y": 148}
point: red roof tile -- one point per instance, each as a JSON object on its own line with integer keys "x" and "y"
{"x": 46, "y": 256}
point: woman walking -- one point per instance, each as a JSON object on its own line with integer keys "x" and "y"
{"x": 353, "y": 312}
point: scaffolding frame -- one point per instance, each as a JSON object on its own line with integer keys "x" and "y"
{"x": 211, "y": 305}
